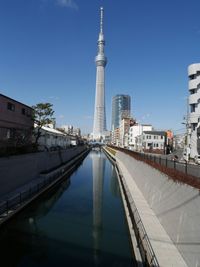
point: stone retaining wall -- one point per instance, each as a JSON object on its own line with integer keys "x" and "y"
{"x": 16, "y": 171}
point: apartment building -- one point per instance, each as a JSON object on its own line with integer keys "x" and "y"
{"x": 16, "y": 123}
{"x": 193, "y": 123}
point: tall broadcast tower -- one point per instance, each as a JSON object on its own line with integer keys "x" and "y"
{"x": 99, "y": 126}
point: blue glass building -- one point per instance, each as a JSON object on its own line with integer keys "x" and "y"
{"x": 121, "y": 106}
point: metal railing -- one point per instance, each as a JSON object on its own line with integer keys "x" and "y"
{"x": 184, "y": 167}
{"x": 10, "y": 205}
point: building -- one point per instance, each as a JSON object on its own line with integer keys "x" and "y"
{"x": 193, "y": 120}
{"x": 16, "y": 123}
{"x": 116, "y": 137}
{"x": 69, "y": 129}
{"x": 152, "y": 141}
{"x": 124, "y": 132}
{"x": 52, "y": 139}
{"x": 135, "y": 131}
{"x": 179, "y": 141}
{"x": 99, "y": 126}
{"x": 121, "y": 107}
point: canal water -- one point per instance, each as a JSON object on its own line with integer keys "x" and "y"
{"x": 81, "y": 223}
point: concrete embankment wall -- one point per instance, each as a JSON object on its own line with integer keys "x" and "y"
{"x": 16, "y": 171}
{"x": 177, "y": 206}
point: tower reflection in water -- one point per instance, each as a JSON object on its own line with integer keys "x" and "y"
{"x": 98, "y": 168}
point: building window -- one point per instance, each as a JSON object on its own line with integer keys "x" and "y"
{"x": 193, "y": 91}
{"x": 23, "y": 111}
{"x": 192, "y": 107}
{"x": 8, "y": 134}
{"x": 11, "y": 106}
{"x": 194, "y": 125}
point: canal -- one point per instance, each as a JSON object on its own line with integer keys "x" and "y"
{"x": 79, "y": 223}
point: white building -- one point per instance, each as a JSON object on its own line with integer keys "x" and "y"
{"x": 152, "y": 141}
{"x": 52, "y": 139}
{"x": 115, "y": 137}
{"x": 124, "y": 132}
{"x": 70, "y": 129}
{"x": 135, "y": 131}
{"x": 193, "y": 123}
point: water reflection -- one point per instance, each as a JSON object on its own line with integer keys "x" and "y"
{"x": 46, "y": 205}
{"x": 98, "y": 171}
{"x": 114, "y": 186}
{"x": 78, "y": 225}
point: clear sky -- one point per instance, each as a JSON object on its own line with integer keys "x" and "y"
{"x": 47, "y": 50}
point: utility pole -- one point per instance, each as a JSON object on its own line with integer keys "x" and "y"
{"x": 187, "y": 146}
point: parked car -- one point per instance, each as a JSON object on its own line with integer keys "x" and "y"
{"x": 197, "y": 159}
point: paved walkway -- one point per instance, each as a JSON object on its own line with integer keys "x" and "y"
{"x": 166, "y": 252}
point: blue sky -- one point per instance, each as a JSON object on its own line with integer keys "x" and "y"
{"x": 47, "y": 52}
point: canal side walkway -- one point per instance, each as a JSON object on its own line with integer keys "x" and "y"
{"x": 166, "y": 253}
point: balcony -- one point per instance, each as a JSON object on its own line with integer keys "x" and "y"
{"x": 194, "y": 83}
{"x": 193, "y": 68}
{"x": 193, "y": 99}
{"x": 193, "y": 117}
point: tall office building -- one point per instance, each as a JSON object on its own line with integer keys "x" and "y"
{"x": 121, "y": 107}
{"x": 99, "y": 127}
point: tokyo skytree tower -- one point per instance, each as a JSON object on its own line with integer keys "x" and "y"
{"x": 99, "y": 126}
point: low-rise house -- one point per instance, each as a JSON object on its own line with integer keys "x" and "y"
{"x": 153, "y": 141}
{"x": 16, "y": 123}
{"x": 135, "y": 131}
{"x": 51, "y": 139}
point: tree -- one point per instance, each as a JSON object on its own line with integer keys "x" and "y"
{"x": 42, "y": 115}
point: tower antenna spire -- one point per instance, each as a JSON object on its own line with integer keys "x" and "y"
{"x": 101, "y": 21}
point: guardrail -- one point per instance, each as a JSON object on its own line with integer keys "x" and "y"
{"x": 178, "y": 171}
{"x": 184, "y": 167}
